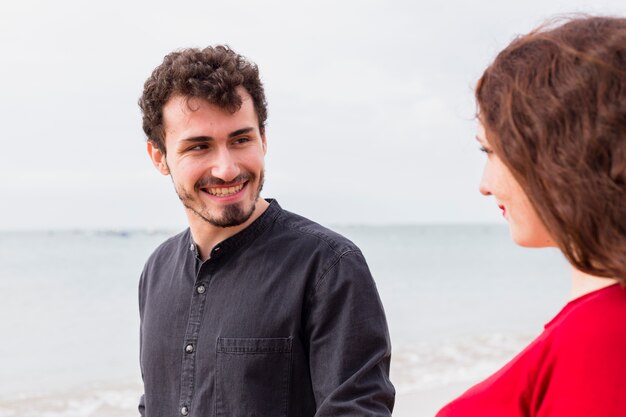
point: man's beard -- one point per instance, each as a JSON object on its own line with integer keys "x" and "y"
{"x": 232, "y": 214}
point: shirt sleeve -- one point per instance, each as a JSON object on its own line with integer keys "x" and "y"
{"x": 348, "y": 342}
{"x": 141, "y": 407}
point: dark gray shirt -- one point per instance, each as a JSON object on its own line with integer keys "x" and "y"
{"x": 283, "y": 319}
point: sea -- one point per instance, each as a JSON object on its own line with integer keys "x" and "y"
{"x": 460, "y": 300}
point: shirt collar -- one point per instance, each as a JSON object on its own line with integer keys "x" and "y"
{"x": 248, "y": 234}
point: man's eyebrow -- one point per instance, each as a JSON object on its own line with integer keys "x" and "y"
{"x": 240, "y": 132}
{"x": 197, "y": 139}
{"x": 202, "y": 139}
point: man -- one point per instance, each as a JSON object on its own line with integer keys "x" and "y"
{"x": 252, "y": 311}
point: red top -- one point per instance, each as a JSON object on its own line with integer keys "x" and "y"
{"x": 575, "y": 368}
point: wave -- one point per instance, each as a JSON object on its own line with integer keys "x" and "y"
{"x": 423, "y": 366}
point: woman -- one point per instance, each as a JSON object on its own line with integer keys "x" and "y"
{"x": 552, "y": 121}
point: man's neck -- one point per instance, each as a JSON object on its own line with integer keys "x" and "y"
{"x": 206, "y": 236}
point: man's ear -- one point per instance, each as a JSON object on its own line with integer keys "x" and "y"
{"x": 264, "y": 142}
{"x": 158, "y": 158}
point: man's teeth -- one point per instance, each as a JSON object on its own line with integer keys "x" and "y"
{"x": 224, "y": 191}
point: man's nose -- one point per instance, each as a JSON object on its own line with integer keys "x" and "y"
{"x": 225, "y": 167}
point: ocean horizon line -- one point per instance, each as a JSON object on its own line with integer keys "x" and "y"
{"x": 168, "y": 230}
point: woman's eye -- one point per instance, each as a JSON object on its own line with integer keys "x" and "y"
{"x": 485, "y": 150}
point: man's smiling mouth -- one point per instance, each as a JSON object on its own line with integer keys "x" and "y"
{"x": 224, "y": 191}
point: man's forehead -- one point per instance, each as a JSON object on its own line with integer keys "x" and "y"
{"x": 179, "y": 111}
{"x": 181, "y": 105}
{"x": 193, "y": 103}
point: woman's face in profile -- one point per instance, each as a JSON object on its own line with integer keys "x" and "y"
{"x": 524, "y": 223}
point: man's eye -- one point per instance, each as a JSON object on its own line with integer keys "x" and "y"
{"x": 242, "y": 140}
{"x": 198, "y": 147}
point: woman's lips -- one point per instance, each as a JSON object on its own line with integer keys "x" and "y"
{"x": 501, "y": 207}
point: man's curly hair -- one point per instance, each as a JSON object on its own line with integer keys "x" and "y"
{"x": 211, "y": 73}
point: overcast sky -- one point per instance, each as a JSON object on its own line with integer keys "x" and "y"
{"x": 370, "y": 104}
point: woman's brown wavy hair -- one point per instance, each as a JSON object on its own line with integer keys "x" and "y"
{"x": 553, "y": 104}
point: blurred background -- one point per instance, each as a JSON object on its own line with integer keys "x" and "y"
{"x": 370, "y": 131}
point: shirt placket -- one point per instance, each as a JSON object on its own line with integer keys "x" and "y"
{"x": 190, "y": 348}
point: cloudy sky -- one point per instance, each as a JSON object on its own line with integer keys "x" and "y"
{"x": 370, "y": 102}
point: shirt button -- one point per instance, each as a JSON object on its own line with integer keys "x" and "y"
{"x": 192, "y": 247}
{"x": 201, "y": 289}
{"x": 184, "y": 410}
{"x": 216, "y": 249}
{"x": 189, "y": 348}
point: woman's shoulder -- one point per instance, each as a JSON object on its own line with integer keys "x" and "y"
{"x": 598, "y": 311}
{"x": 584, "y": 367}
{"x": 594, "y": 318}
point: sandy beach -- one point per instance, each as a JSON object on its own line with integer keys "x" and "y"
{"x": 121, "y": 401}
{"x": 426, "y": 403}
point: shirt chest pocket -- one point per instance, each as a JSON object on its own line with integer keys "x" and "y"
{"x": 252, "y": 377}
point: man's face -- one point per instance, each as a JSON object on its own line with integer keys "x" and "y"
{"x": 215, "y": 158}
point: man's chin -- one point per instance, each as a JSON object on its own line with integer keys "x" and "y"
{"x": 230, "y": 216}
